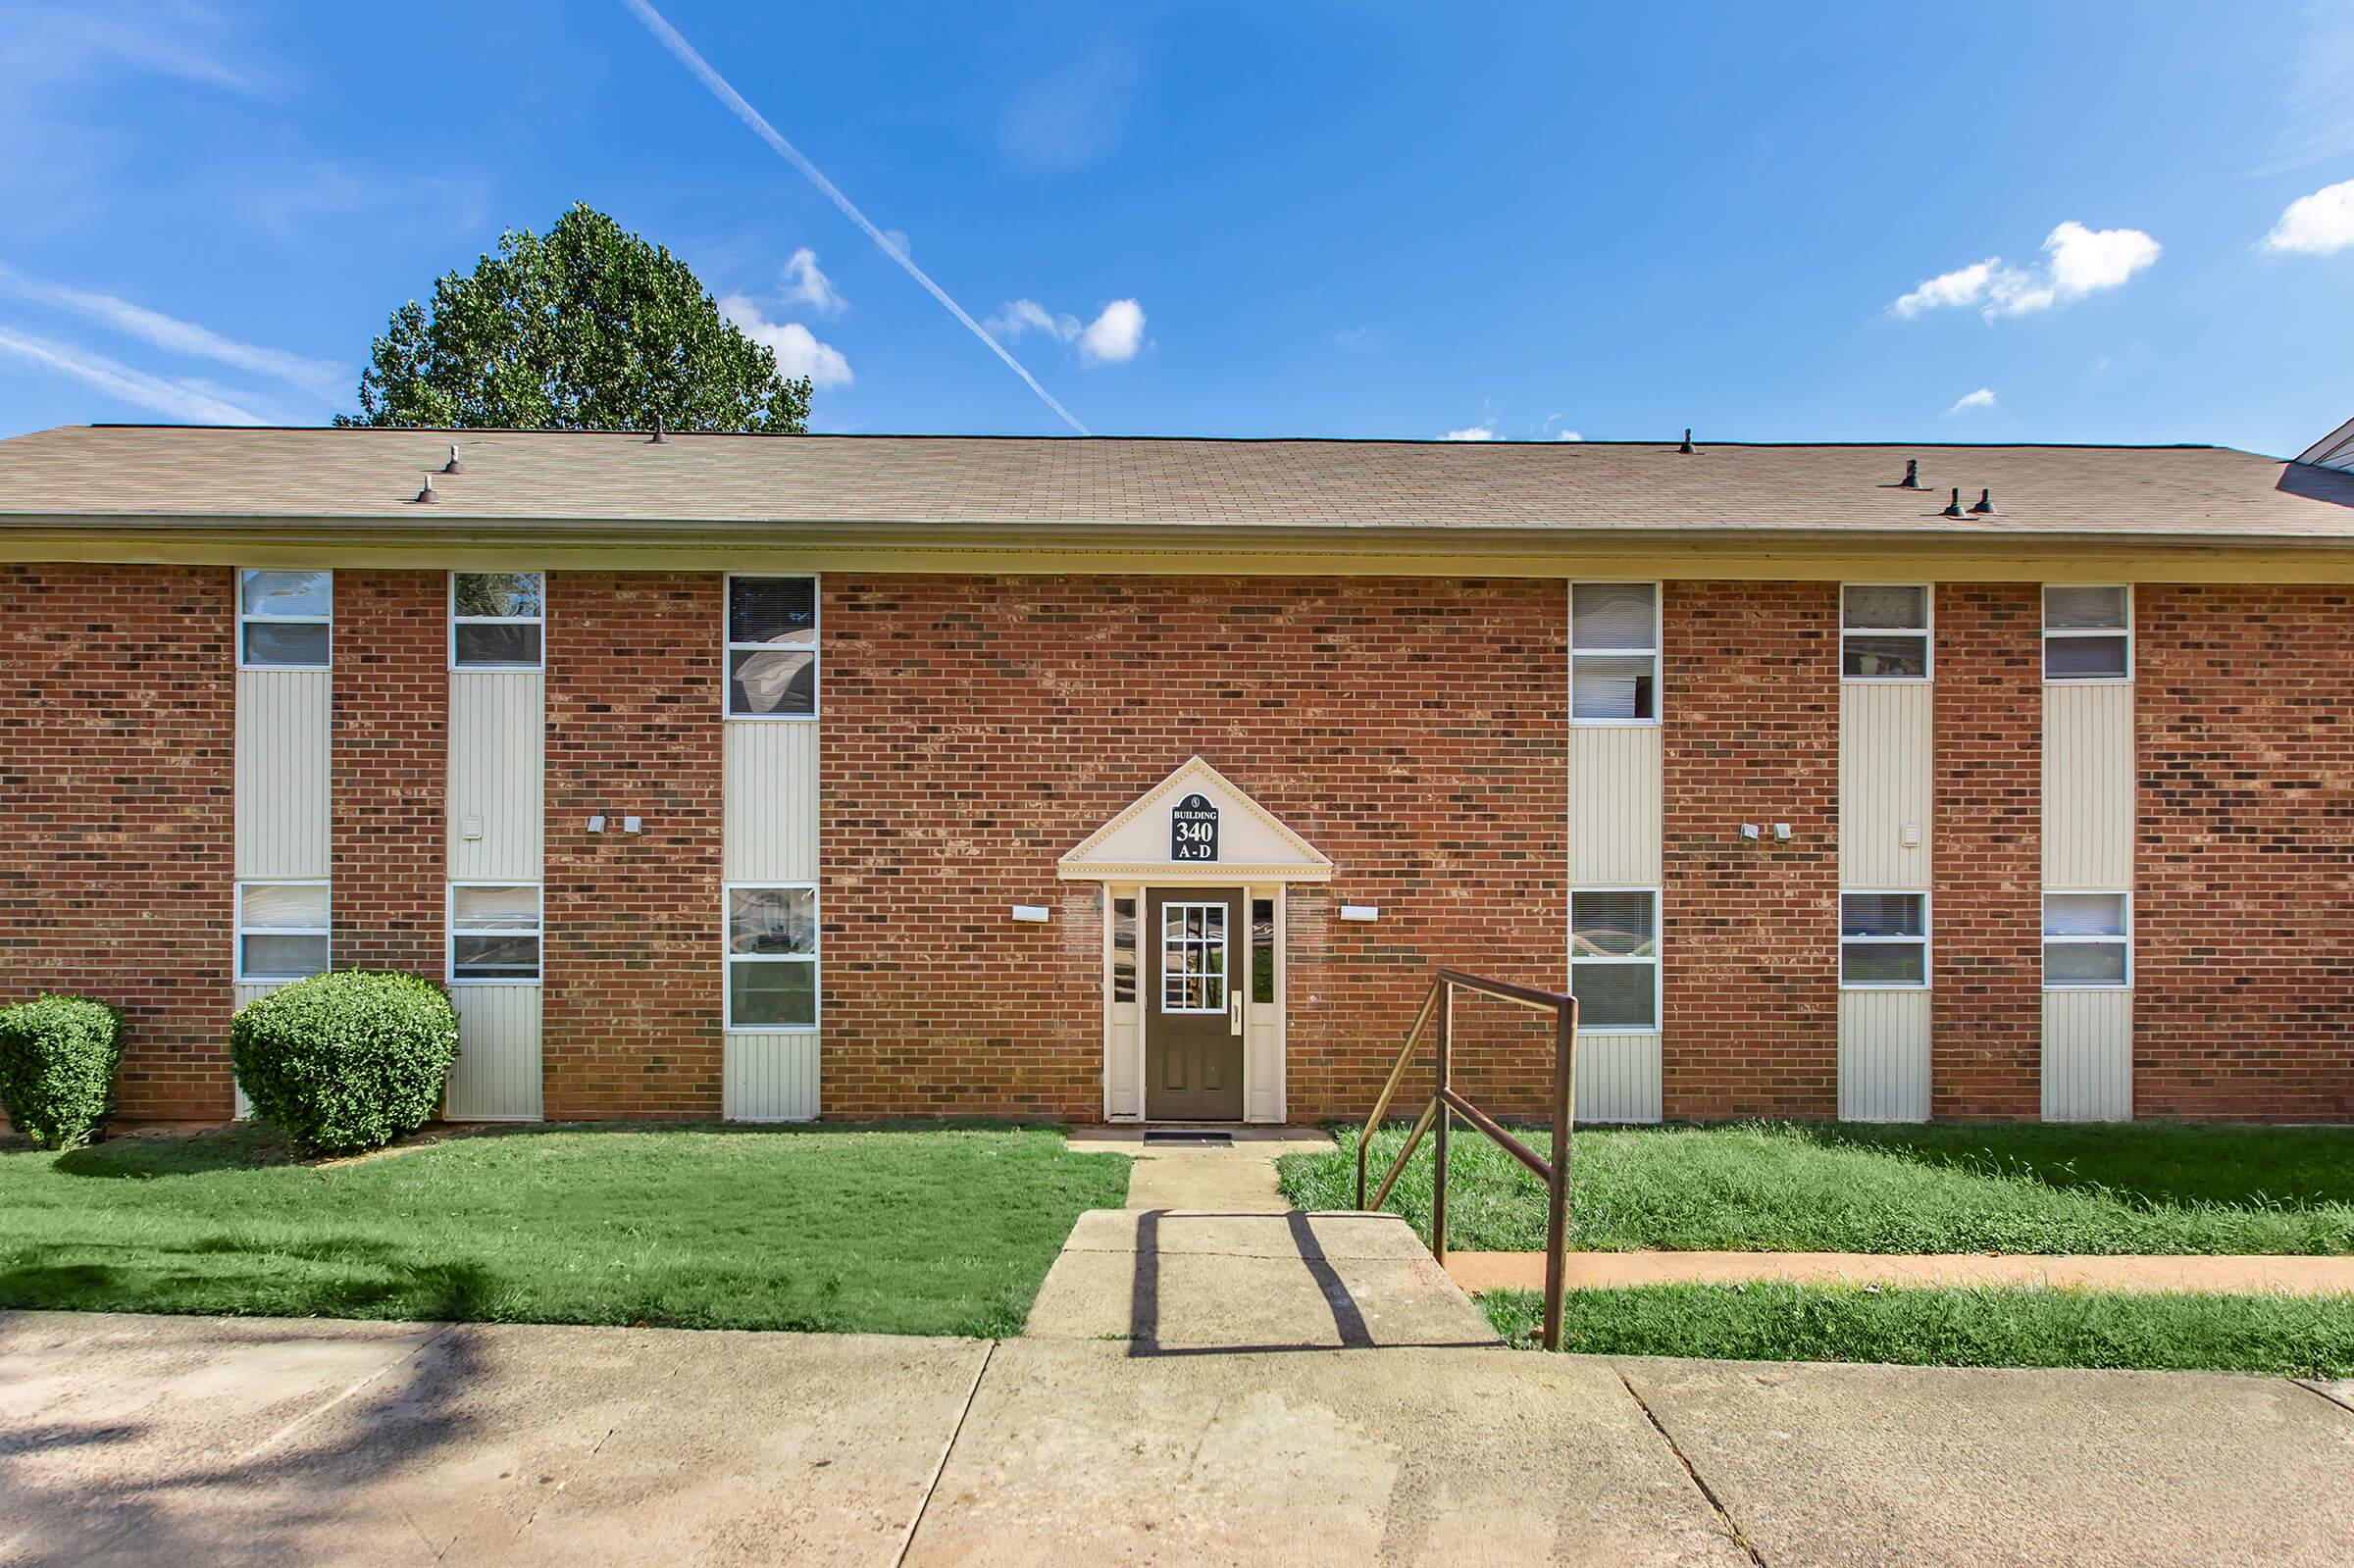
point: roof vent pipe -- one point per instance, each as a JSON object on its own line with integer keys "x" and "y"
{"x": 1983, "y": 506}
{"x": 657, "y": 438}
{"x": 1687, "y": 446}
{"x": 1952, "y": 508}
{"x": 1911, "y": 478}
{"x": 426, "y": 494}
{"x": 454, "y": 466}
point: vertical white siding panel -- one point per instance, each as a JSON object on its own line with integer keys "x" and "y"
{"x": 496, "y": 1077}
{"x": 771, "y": 801}
{"x": 1614, "y": 805}
{"x": 770, "y": 1078}
{"x": 2088, "y": 786}
{"x": 1885, "y": 1056}
{"x": 1617, "y": 1078}
{"x": 1614, "y": 833}
{"x": 1125, "y": 1062}
{"x": 281, "y": 774}
{"x": 1886, "y": 755}
{"x": 498, "y": 742}
{"x": 770, "y": 835}
{"x": 2088, "y": 1056}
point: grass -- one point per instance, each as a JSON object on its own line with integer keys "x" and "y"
{"x": 899, "y": 1231}
{"x": 1774, "y": 1187}
{"x": 2280, "y": 1334}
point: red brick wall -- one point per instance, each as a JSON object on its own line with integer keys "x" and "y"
{"x": 388, "y": 755}
{"x": 117, "y": 872}
{"x": 632, "y": 1004}
{"x": 1986, "y": 849}
{"x": 1749, "y": 711}
{"x": 2243, "y": 1004}
{"x": 976, "y": 729}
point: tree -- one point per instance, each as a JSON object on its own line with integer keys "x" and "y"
{"x": 586, "y": 329}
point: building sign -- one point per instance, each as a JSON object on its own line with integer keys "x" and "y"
{"x": 1194, "y": 829}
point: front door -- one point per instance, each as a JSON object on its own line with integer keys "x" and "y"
{"x": 1195, "y": 942}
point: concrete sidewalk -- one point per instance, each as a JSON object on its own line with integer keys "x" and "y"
{"x": 197, "y": 1440}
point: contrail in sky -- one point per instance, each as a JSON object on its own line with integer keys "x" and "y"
{"x": 684, "y": 51}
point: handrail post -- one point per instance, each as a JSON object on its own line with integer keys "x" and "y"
{"x": 1438, "y": 1148}
{"x": 1557, "y": 1188}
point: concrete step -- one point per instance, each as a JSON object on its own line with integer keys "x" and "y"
{"x": 1192, "y": 1281}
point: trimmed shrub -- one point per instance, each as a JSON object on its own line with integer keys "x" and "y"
{"x": 347, "y": 1060}
{"x": 58, "y": 1056}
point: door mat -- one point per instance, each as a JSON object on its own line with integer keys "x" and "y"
{"x": 1205, "y": 1139}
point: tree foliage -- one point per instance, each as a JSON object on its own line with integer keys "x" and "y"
{"x": 587, "y": 328}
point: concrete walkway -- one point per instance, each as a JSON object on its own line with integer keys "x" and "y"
{"x": 1209, "y": 1256}
{"x": 196, "y": 1441}
{"x": 2259, "y": 1275}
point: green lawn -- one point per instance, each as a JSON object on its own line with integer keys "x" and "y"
{"x": 901, "y": 1232}
{"x": 1853, "y": 1189}
{"x": 2285, "y": 1335}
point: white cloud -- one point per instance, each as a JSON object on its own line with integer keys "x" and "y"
{"x": 1964, "y": 286}
{"x": 798, "y": 350}
{"x": 198, "y": 402}
{"x": 1567, "y": 435}
{"x": 2078, "y": 261}
{"x": 805, "y": 284}
{"x": 1019, "y": 316}
{"x": 318, "y": 377}
{"x": 2319, "y": 225}
{"x": 1472, "y": 432}
{"x": 1114, "y": 336}
{"x": 1983, "y": 397}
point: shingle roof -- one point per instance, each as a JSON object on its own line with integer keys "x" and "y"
{"x": 190, "y": 473}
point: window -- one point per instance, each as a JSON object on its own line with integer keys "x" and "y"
{"x": 1262, "y": 951}
{"x": 772, "y": 647}
{"x": 281, "y": 930}
{"x": 285, "y": 620}
{"x": 1884, "y": 632}
{"x": 1614, "y": 959}
{"x": 2088, "y": 940}
{"x": 2088, "y": 633}
{"x": 496, "y": 619}
{"x": 1883, "y": 940}
{"x": 494, "y": 932}
{"x": 1192, "y": 958}
{"x": 1615, "y": 652}
{"x": 1123, "y": 950}
{"x": 772, "y": 957}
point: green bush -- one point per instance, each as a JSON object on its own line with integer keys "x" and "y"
{"x": 347, "y": 1060}
{"x": 57, "y": 1067}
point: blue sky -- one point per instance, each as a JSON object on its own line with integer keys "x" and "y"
{"x": 1230, "y": 219}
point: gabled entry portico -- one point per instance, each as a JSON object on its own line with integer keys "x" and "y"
{"x": 1193, "y": 874}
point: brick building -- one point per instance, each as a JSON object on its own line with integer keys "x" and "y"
{"x": 871, "y": 776}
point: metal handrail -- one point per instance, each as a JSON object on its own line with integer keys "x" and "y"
{"x": 1438, "y": 1007}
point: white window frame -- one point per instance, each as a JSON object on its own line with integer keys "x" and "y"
{"x": 1658, "y": 968}
{"x": 244, "y": 930}
{"x": 1924, "y": 941}
{"x": 450, "y": 932}
{"x": 456, "y": 620}
{"x": 1654, "y": 653}
{"x": 1161, "y": 953}
{"x": 2043, "y": 649}
{"x": 2124, "y": 942}
{"x": 814, "y": 958}
{"x": 1926, "y": 632}
{"x": 728, "y": 649}
{"x": 327, "y": 620}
